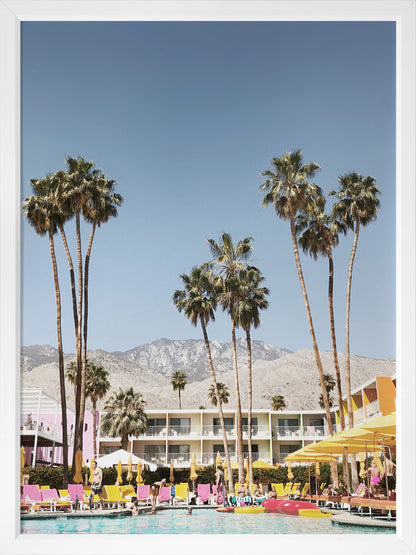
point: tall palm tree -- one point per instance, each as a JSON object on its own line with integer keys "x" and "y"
{"x": 251, "y": 299}
{"x": 97, "y": 386}
{"x": 178, "y": 381}
{"x": 97, "y": 210}
{"x": 290, "y": 191}
{"x": 330, "y": 383}
{"x": 44, "y": 215}
{"x": 357, "y": 206}
{"x": 230, "y": 260}
{"x": 198, "y": 301}
{"x": 223, "y": 394}
{"x": 318, "y": 233}
{"x": 278, "y": 402}
{"x": 71, "y": 375}
{"x": 124, "y": 416}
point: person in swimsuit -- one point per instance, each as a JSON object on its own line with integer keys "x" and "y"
{"x": 273, "y": 493}
{"x": 96, "y": 484}
{"x": 220, "y": 483}
{"x": 390, "y": 466}
{"x": 154, "y": 490}
{"x": 375, "y": 479}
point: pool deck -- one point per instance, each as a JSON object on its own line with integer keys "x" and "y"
{"x": 338, "y": 518}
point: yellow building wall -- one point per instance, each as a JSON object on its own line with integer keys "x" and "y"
{"x": 386, "y": 394}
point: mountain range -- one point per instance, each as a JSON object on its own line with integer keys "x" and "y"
{"x": 148, "y": 368}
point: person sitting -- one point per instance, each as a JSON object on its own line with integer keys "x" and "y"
{"x": 273, "y": 493}
{"x": 242, "y": 497}
{"x": 258, "y": 494}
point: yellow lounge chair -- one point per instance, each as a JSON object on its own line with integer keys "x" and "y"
{"x": 305, "y": 490}
{"x": 181, "y": 492}
{"x": 288, "y": 487}
{"x": 237, "y": 485}
{"x": 279, "y": 489}
{"x": 112, "y": 496}
{"x": 295, "y": 491}
{"x": 127, "y": 492}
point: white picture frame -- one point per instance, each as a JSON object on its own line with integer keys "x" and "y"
{"x": 12, "y": 13}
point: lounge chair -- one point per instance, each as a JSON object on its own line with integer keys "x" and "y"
{"x": 31, "y": 495}
{"x": 112, "y": 496}
{"x": 288, "y": 488}
{"x": 280, "y": 490}
{"x": 204, "y": 493}
{"x": 143, "y": 494}
{"x": 77, "y": 496}
{"x": 127, "y": 492}
{"x": 295, "y": 491}
{"x": 305, "y": 491}
{"x": 181, "y": 493}
{"x": 51, "y": 496}
{"x": 164, "y": 495}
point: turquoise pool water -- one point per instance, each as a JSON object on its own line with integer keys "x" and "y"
{"x": 200, "y": 522}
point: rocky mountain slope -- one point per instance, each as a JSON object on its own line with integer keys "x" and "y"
{"x": 190, "y": 356}
{"x": 293, "y": 375}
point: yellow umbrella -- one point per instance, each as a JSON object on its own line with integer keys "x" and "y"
{"x": 119, "y": 477}
{"x": 289, "y": 471}
{"x": 218, "y": 460}
{"x": 317, "y": 471}
{"x": 264, "y": 465}
{"x": 139, "y": 479}
{"x": 78, "y": 467}
{"x": 246, "y": 469}
{"x": 193, "y": 475}
{"x": 225, "y": 465}
{"x": 277, "y": 465}
{"x": 91, "y": 471}
{"x": 129, "y": 470}
{"x": 362, "y": 472}
{"x": 22, "y": 464}
{"x": 382, "y": 425}
{"x": 171, "y": 476}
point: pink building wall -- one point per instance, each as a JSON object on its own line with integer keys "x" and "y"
{"x": 47, "y": 422}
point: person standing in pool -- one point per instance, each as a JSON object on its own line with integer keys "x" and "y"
{"x": 220, "y": 483}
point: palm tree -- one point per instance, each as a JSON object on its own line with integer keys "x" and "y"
{"x": 96, "y": 388}
{"x": 178, "y": 381}
{"x": 318, "y": 233}
{"x": 357, "y": 206}
{"x": 44, "y": 215}
{"x": 223, "y": 394}
{"x": 198, "y": 301}
{"x": 289, "y": 190}
{"x": 330, "y": 383}
{"x": 278, "y": 402}
{"x": 251, "y": 299}
{"x": 124, "y": 416}
{"x": 230, "y": 260}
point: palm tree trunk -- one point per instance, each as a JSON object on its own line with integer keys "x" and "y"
{"x": 84, "y": 343}
{"x": 61, "y": 363}
{"x": 335, "y": 354}
{"x": 354, "y": 471}
{"x": 250, "y": 408}
{"x": 219, "y": 404}
{"x": 240, "y": 451}
{"x": 311, "y": 328}
{"x": 179, "y": 393}
{"x": 77, "y": 429}
{"x": 72, "y": 277}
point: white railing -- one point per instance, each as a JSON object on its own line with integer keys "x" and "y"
{"x": 184, "y": 430}
{"x": 359, "y": 415}
{"x": 256, "y": 430}
{"x": 159, "y": 459}
{"x": 372, "y": 408}
{"x": 315, "y": 431}
{"x": 210, "y": 457}
{"x": 179, "y": 458}
{"x": 155, "y": 431}
{"x": 214, "y": 430}
{"x": 287, "y": 431}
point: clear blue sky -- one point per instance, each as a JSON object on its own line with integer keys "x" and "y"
{"x": 186, "y": 116}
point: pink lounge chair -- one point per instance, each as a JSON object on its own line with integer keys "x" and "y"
{"x": 164, "y": 495}
{"x": 32, "y": 495}
{"x": 204, "y": 492}
{"x": 51, "y": 496}
{"x": 143, "y": 494}
{"x": 76, "y": 493}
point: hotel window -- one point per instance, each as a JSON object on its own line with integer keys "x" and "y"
{"x": 155, "y": 426}
{"x": 220, "y": 448}
{"x": 181, "y": 453}
{"x": 288, "y": 425}
{"x": 254, "y": 425}
{"x": 179, "y": 426}
{"x": 229, "y": 425}
{"x": 155, "y": 452}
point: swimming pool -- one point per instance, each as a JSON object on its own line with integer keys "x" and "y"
{"x": 199, "y": 522}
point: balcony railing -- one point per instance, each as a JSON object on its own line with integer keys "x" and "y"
{"x": 315, "y": 431}
{"x": 287, "y": 431}
{"x": 158, "y": 458}
{"x": 210, "y": 457}
{"x": 372, "y": 408}
{"x": 45, "y": 429}
{"x": 155, "y": 431}
{"x": 359, "y": 415}
{"x": 179, "y": 458}
{"x": 256, "y": 430}
{"x": 214, "y": 430}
